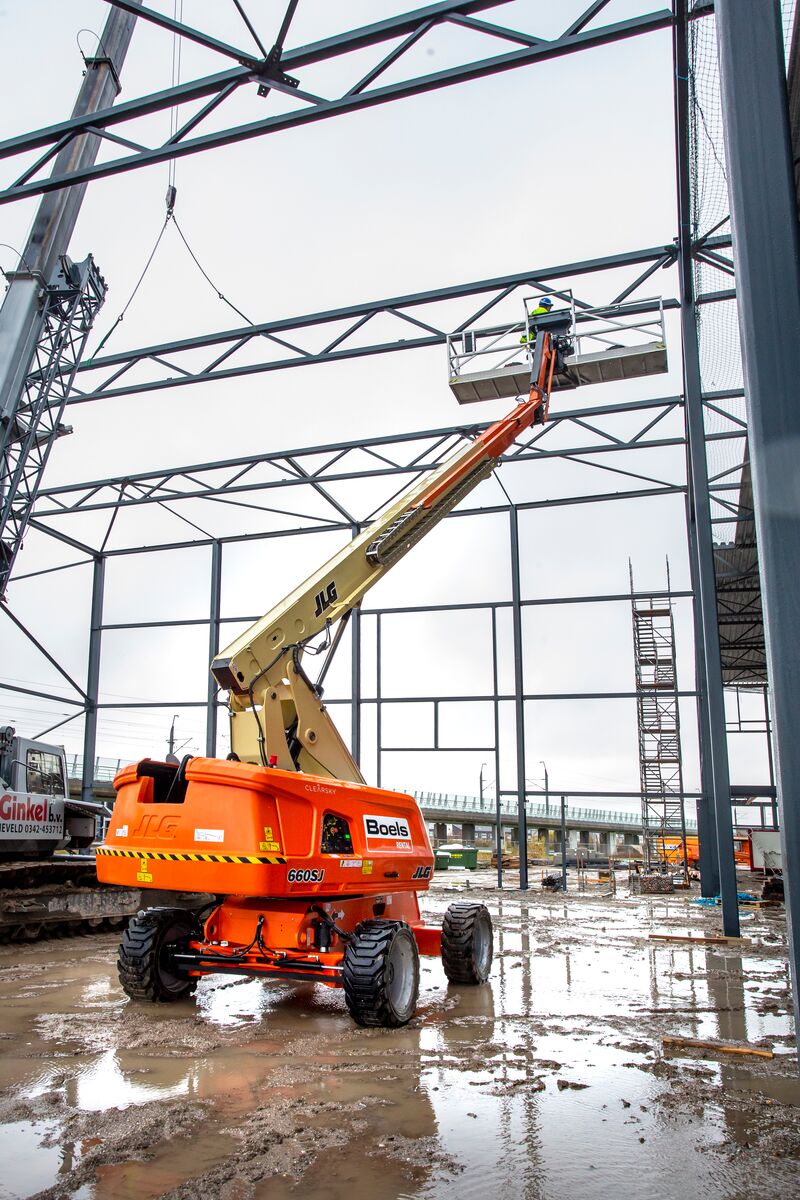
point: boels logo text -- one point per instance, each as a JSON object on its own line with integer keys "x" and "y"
{"x": 386, "y": 827}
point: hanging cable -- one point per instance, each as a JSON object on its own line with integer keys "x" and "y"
{"x": 170, "y": 216}
{"x": 140, "y": 280}
{"x": 177, "y": 49}
{"x": 100, "y": 47}
{"x": 207, "y": 277}
{"x": 21, "y": 258}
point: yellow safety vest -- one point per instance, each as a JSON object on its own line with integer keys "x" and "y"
{"x": 537, "y": 312}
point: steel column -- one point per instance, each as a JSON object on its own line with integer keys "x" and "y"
{"x": 496, "y": 712}
{"x": 378, "y": 703}
{"x": 93, "y": 679}
{"x": 766, "y": 251}
{"x": 355, "y": 685}
{"x": 355, "y": 675}
{"x": 706, "y": 829}
{"x": 21, "y": 312}
{"x": 707, "y": 631}
{"x": 770, "y": 759}
{"x": 212, "y": 712}
{"x": 519, "y": 698}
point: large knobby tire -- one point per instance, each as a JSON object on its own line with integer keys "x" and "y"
{"x": 467, "y": 943}
{"x": 143, "y": 964}
{"x": 381, "y": 974}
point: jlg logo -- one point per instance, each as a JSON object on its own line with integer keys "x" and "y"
{"x": 325, "y": 599}
{"x": 422, "y": 873}
{"x": 156, "y": 825}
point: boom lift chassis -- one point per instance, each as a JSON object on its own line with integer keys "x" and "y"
{"x": 315, "y": 875}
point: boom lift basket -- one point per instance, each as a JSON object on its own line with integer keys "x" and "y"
{"x": 622, "y": 341}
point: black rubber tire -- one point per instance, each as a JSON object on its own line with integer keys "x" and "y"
{"x": 142, "y": 964}
{"x": 381, "y": 974}
{"x": 467, "y": 943}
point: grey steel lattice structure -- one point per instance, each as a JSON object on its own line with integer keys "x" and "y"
{"x": 665, "y": 421}
{"x": 49, "y": 307}
{"x": 660, "y": 756}
{"x": 68, "y": 310}
{"x": 269, "y": 74}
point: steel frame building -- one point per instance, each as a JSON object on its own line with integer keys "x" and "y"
{"x": 578, "y": 435}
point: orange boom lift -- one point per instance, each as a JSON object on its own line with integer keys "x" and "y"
{"x": 315, "y": 874}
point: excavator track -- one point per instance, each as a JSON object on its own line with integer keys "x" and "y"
{"x": 61, "y": 897}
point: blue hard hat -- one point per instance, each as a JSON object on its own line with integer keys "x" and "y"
{"x": 545, "y": 302}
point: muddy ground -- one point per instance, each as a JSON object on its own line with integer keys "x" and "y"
{"x": 551, "y": 1082}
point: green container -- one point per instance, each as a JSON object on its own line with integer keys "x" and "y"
{"x": 442, "y": 860}
{"x": 463, "y": 856}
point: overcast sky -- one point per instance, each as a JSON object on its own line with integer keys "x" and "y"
{"x": 542, "y": 165}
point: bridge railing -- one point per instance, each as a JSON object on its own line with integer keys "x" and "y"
{"x": 475, "y": 806}
{"x": 104, "y": 768}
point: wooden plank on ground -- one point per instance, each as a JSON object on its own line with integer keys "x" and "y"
{"x": 688, "y": 937}
{"x": 684, "y": 1043}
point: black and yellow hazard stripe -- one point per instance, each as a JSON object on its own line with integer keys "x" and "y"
{"x": 273, "y": 860}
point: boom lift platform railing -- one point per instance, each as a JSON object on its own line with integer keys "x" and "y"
{"x": 613, "y": 343}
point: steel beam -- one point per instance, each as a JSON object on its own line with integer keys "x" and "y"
{"x": 227, "y": 343}
{"x": 212, "y": 714}
{"x": 465, "y": 606}
{"x": 348, "y": 103}
{"x": 22, "y": 313}
{"x": 715, "y": 762}
{"x": 170, "y": 485}
{"x": 211, "y": 85}
{"x": 300, "y": 530}
{"x": 519, "y": 696}
{"x": 766, "y": 250}
{"x": 355, "y": 685}
{"x": 93, "y": 679}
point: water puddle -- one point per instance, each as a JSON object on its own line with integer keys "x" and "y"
{"x": 553, "y": 1079}
{"x": 28, "y": 1164}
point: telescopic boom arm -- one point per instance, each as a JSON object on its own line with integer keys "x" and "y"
{"x": 277, "y": 716}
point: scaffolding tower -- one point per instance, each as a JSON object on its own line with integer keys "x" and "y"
{"x": 660, "y": 764}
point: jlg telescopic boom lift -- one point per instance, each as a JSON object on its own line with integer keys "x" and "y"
{"x": 315, "y": 873}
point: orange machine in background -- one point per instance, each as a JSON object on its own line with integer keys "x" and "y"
{"x": 674, "y": 850}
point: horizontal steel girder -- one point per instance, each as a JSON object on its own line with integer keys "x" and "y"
{"x": 316, "y": 108}
{"x": 227, "y": 343}
{"x": 185, "y": 482}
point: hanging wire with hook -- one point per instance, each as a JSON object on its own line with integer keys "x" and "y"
{"x": 177, "y": 49}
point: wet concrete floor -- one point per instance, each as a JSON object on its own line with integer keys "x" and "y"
{"x": 551, "y": 1082}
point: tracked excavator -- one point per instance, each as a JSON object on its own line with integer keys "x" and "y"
{"x": 315, "y": 874}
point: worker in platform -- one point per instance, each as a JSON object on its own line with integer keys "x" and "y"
{"x": 542, "y": 309}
